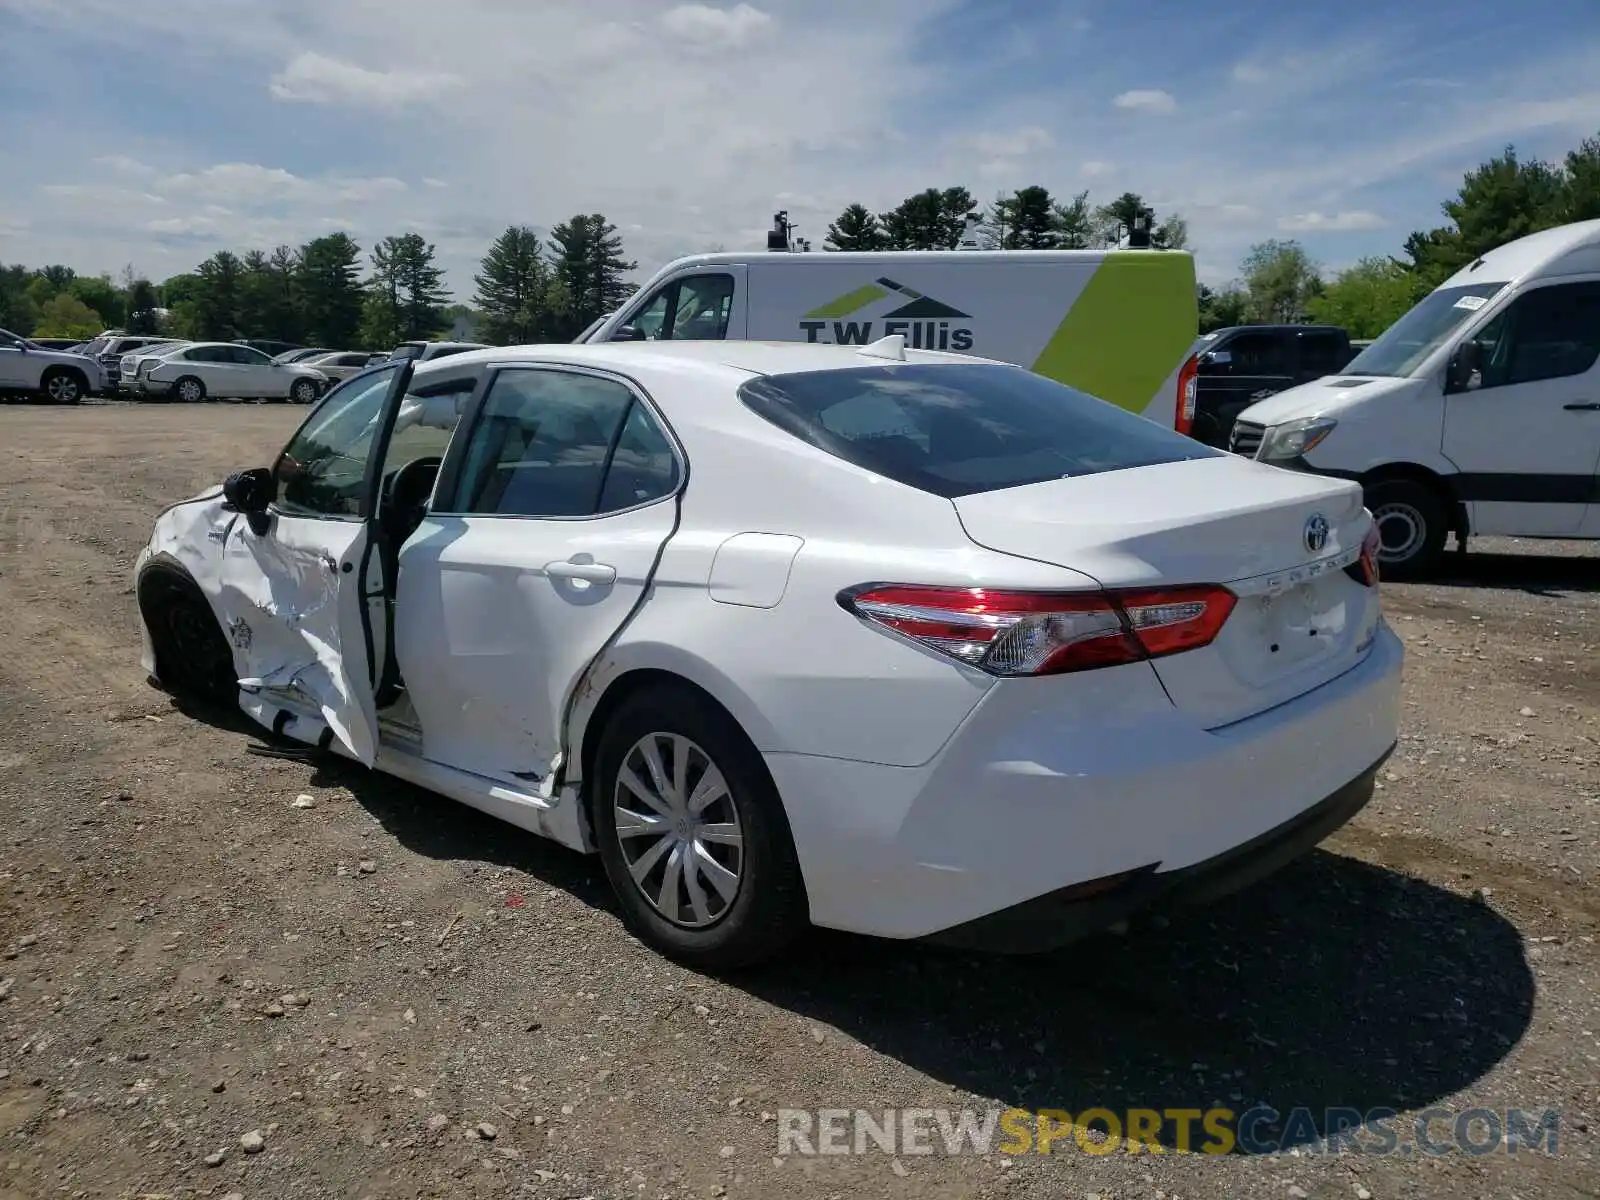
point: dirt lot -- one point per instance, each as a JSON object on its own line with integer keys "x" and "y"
{"x": 161, "y": 896}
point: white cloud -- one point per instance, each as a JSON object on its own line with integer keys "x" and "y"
{"x": 313, "y": 78}
{"x": 124, "y": 165}
{"x": 13, "y": 226}
{"x": 1339, "y": 222}
{"x": 251, "y": 184}
{"x": 430, "y": 181}
{"x": 708, "y": 28}
{"x": 1095, "y": 168}
{"x": 1012, "y": 143}
{"x": 1249, "y": 72}
{"x": 1150, "y": 100}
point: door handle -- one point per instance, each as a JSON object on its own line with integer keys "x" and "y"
{"x": 1582, "y": 406}
{"x": 589, "y": 572}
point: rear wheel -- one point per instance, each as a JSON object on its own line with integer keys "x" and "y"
{"x": 693, "y": 834}
{"x": 189, "y": 390}
{"x": 193, "y": 658}
{"x": 63, "y": 385}
{"x": 1411, "y": 518}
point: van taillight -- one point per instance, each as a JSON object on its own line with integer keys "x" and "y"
{"x": 1188, "y": 390}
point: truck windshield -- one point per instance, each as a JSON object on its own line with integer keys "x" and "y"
{"x": 1406, "y": 343}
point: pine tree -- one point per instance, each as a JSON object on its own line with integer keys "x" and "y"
{"x": 142, "y": 305}
{"x": 856, "y": 228}
{"x": 591, "y": 269}
{"x": 330, "y": 290}
{"x": 931, "y": 220}
{"x": 514, "y": 289}
{"x": 217, "y": 299}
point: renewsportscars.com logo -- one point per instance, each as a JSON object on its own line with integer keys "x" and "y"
{"x": 925, "y": 323}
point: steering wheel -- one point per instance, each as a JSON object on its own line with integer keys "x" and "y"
{"x": 406, "y": 492}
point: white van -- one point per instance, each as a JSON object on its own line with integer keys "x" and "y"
{"x": 1478, "y": 412}
{"x": 1118, "y": 324}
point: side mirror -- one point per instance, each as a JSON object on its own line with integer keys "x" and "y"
{"x": 1465, "y": 372}
{"x": 628, "y": 333}
{"x": 250, "y": 491}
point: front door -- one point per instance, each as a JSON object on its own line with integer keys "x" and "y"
{"x": 551, "y": 510}
{"x": 704, "y": 305}
{"x": 14, "y": 366}
{"x": 1248, "y": 367}
{"x": 1525, "y": 432}
{"x": 301, "y": 590}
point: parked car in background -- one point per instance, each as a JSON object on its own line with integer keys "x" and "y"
{"x": 68, "y": 344}
{"x": 1246, "y": 363}
{"x": 28, "y": 367}
{"x": 895, "y": 642}
{"x": 428, "y": 351}
{"x": 301, "y": 353}
{"x": 196, "y": 370}
{"x": 342, "y": 364}
{"x": 112, "y": 346}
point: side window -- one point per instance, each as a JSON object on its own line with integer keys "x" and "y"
{"x": 694, "y": 308}
{"x": 322, "y": 471}
{"x": 642, "y": 467}
{"x": 427, "y": 420}
{"x": 1259, "y": 354}
{"x": 250, "y": 357}
{"x": 201, "y": 354}
{"x": 1549, "y": 333}
{"x": 702, "y": 309}
{"x": 540, "y": 444}
{"x": 1321, "y": 354}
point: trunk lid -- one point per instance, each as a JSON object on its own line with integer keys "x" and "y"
{"x": 1301, "y": 619}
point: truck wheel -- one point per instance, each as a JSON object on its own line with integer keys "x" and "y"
{"x": 63, "y": 385}
{"x": 1411, "y": 519}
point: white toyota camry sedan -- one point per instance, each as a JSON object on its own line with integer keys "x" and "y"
{"x": 909, "y": 644}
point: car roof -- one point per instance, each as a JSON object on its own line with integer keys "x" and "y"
{"x": 747, "y": 358}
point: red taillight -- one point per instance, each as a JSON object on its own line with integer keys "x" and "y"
{"x": 1368, "y": 562}
{"x": 1046, "y": 633}
{"x": 1188, "y": 391}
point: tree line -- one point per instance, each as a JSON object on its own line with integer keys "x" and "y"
{"x": 530, "y": 288}
{"x": 1498, "y": 201}
{"x": 1027, "y": 219}
{"x": 322, "y": 293}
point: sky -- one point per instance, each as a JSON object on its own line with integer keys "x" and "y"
{"x": 153, "y": 134}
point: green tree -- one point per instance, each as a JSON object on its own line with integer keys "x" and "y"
{"x": 1498, "y": 201}
{"x": 405, "y": 292}
{"x": 1280, "y": 280}
{"x": 330, "y": 291}
{"x": 1171, "y": 234}
{"x": 1075, "y": 223}
{"x": 1583, "y": 181}
{"x": 100, "y": 294}
{"x": 591, "y": 269}
{"x": 1027, "y": 219}
{"x": 1223, "y": 309}
{"x": 143, "y": 306}
{"x": 1367, "y": 298}
{"x": 934, "y": 219}
{"x": 255, "y": 294}
{"x": 856, "y": 228}
{"x": 513, "y": 289}
{"x": 67, "y": 316}
{"x": 217, "y": 300}
{"x": 18, "y": 312}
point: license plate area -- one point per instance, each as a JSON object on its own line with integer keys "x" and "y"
{"x": 1292, "y": 628}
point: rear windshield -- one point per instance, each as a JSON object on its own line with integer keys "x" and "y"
{"x": 955, "y": 430}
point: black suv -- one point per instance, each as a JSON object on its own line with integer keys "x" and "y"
{"x": 1246, "y": 363}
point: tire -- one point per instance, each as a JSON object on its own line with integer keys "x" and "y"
{"x": 1412, "y": 520}
{"x": 193, "y": 659}
{"x": 188, "y": 390}
{"x": 702, "y": 924}
{"x": 303, "y": 391}
{"x": 63, "y": 385}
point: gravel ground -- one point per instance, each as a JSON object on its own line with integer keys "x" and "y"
{"x": 211, "y": 991}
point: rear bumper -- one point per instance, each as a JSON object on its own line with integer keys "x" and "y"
{"x": 146, "y": 387}
{"x": 1063, "y": 916}
{"x": 1048, "y": 788}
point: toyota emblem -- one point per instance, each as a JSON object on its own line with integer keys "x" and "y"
{"x": 1316, "y": 533}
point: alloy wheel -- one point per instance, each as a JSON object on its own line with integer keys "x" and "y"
{"x": 63, "y": 389}
{"x": 1402, "y": 530}
{"x": 679, "y": 830}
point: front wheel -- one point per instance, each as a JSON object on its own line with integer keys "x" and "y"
{"x": 304, "y": 391}
{"x": 63, "y": 386}
{"x": 1412, "y": 522}
{"x": 193, "y": 658}
{"x": 693, "y": 834}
